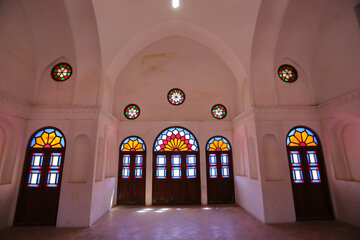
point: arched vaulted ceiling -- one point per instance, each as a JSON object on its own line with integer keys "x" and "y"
{"x": 251, "y": 37}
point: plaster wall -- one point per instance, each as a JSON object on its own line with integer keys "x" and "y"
{"x": 246, "y": 161}
{"x": 341, "y": 153}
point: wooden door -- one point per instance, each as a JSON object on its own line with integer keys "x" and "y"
{"x": 309, "y": 181}
{"x": 176, "y": 178}
{"x": 220, "y": 181}
{"x": 41, "y": 180}
{"x": 131, "y": 181}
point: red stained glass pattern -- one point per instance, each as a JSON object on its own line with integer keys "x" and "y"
{"x": 132, "y": 111}
{"x": 61, "y": 72}
{"x": 176, "y": 139}
{"x": 287, "y": 73}
{"x": 219, "y": 111}
{"x": 176, "y": 96}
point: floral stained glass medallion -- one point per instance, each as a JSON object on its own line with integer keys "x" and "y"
{"x": 132, "y": 111}
{"x": 301, "y": 137}
{"x": 61, "y": 72}
{"x": 48, "y": 138}
{"x": 176, "y": 96}
{"x": 287, "y": 73}
{"x": 132, "y": 144}
{"x": 218, "y": 144}
{"x": 219, "y": 111}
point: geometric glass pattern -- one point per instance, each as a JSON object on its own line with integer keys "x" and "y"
{"x": 218, "y": 111}
{"x": 313, "y": 167}
{"x": 53, "y": 178}
{"x": 175, "y": 166}
{"x": 296, "y": 167}
{"x": 34, "y": 178}
{"x": 301, "y": 137}
{"x": 61, "y": 72}
{"x": 176, "y": 96}
{"x": 132, "y": 111}
{"x": 287, "y": 73}
{"x": 212, "y": 165}
{"x": 126, "y": 166}
{"x": 190, "y": 166}
{"x": 225, "y": 165}
{"x": 133, "y": 144}
{"x": 138, "y": 166}
{"x": 218, "y": 144}
{"x": 48, "y": 138}
{"x": 37, "y": 161}
{"x": 161, "y": 166}
{"x": 175, "y": 139}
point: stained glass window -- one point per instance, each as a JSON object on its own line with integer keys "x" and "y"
{"x": 48, "y": 138}
{"x": 212, "y": 165}
{"x": 161, "y": 166}
{"x": 132, "y": 111}
{"x": 296, "y": 169}
{"x": 176, "y": 96}
{"x": 301, "y": 137}
{"x": 191, "y": 166}
{"x": 219, "y": 111}
{"x": 175, "y": 139}
{"x": 218, "y": 144}
{"x": 287, "y": 73}
{"x": 61, "y": 72}
{"x": 301, "y": 158}
{"x": 132, "y": 154}
{"x": 132, "y": 144}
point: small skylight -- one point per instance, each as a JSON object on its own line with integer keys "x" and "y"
{"x": 175, "y": 3}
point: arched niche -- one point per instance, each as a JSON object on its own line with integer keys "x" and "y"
{"x": 272, "y": 158}
{"x": 252, "y": 159}
{"x": 351, "y": 139}
{"x": 80, "y": 159}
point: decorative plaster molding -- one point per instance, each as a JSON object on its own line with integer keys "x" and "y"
{"x": 65, "y": 112}
{"x": 346, "y": 104}
{"x": 14, "y": 106}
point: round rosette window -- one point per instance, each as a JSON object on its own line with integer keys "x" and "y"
{"x": 132, "y": 111}
{"x": 61, "y": 72}
{"x": 287, "y": 73}
{"x": 176, "y": 96}
{"x": 219, "y": 111}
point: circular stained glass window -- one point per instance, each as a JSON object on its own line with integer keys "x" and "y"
{"x": 219, "y": 111}
{"x": 61, "y": 72}
{"x": 132, "y": 111}
{"x": 176, "y": 96}
{"x": 287, "y": 73}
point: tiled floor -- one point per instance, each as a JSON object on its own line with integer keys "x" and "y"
{"x": 186, "y": 222}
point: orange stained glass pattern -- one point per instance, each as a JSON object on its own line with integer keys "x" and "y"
{"x": 218, "y": 144}
{"x": 176, "y": 145}
{"x": 48, "y": 138}
{"x": 133, "y": 144}
{"x": 301, "y": 137}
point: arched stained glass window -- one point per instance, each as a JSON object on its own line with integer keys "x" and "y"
{"x": 132, "y": 171}
{"x": 175, "y": 139}
{"x": 218, "y": 144}
{"x": 219, "y": 171}
{"x": 301, "y": 137}
{"x": 48, "y": 138}
{"x": 311, "y": 195}
{"x": 133, "y": 144}
{"x": 42, "y": 171}
{"x": 176, "y": 167}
